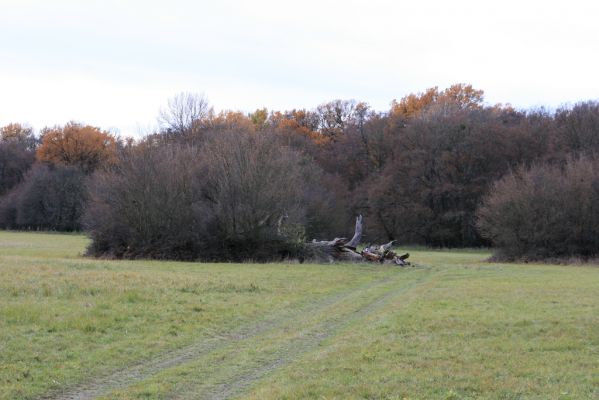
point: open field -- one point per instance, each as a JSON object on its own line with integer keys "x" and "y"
{"x": 453, "y": 327}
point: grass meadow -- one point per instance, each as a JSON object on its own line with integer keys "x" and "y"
{"x": 452, "y": 327}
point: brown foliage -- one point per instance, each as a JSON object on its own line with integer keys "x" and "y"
{"x": 231, "y": 121}
{"x": 83, "y": 146}
{"x": 456, "y": 97}
{"x": 300, "y": 122}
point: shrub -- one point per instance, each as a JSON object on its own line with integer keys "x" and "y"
{"x": 50, "y": 198}
{"x": 544, "y": 212}
{"x": 247, "y": 185}
{"x": 223, "y": 201}
{"x": 143, "y": 206}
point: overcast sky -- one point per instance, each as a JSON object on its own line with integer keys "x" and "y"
{"x": 113, "y": 64}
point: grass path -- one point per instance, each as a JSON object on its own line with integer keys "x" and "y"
{"x": 241, "y": 377}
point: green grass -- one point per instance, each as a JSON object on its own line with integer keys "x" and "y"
{"x": 454, "y": 327}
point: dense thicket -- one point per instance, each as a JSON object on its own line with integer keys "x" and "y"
{"x": 544, "y": 212}
{"x": 143, "y": 206}
{"x": 224, "y": 200}
{"x": 202, "y": 184}
{"x": 50, "y": 198}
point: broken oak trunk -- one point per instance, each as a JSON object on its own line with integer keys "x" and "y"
{"x": 340, "y": 249}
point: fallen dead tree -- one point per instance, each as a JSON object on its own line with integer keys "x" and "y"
{"x": 340, "y": 249}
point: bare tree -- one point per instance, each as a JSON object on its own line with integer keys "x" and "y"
{"x": 184, "y": 113}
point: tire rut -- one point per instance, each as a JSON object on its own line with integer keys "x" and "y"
{"x": 305, "y": 341}
{"x": 147, "y": 368}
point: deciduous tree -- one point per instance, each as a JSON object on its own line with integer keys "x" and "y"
{"x": 185, "y": 113}
{"x": 17, "y": 145}
{"x": 82, "y": 146}
{"x": 19, "y": 134}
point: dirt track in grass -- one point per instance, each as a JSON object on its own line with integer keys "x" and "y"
{"x": 332, "y": 314}
{"x": 242, "y": 376}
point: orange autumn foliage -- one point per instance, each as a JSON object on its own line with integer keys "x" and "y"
{"x": 301, "y": 122}
{"x": 231, "y": 120}
{"x": 459, "y": 95}
{"x": 83, "y": 146}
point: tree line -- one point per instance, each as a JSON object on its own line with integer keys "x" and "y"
{"x": 439, "y": 168}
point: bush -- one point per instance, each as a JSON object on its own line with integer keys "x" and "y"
{"x": 143, "y": 207}
{"x": 544, "y": 212}
{"x": 15, "y": 161}
{"x": 50, "y": 198}
{"x": 223, "y": 201}
{"x": 247, "y": 185}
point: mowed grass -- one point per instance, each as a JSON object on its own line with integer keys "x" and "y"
{"x": 453, "y": 327}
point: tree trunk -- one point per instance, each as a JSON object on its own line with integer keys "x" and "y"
{"x": 340, "y": 249}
